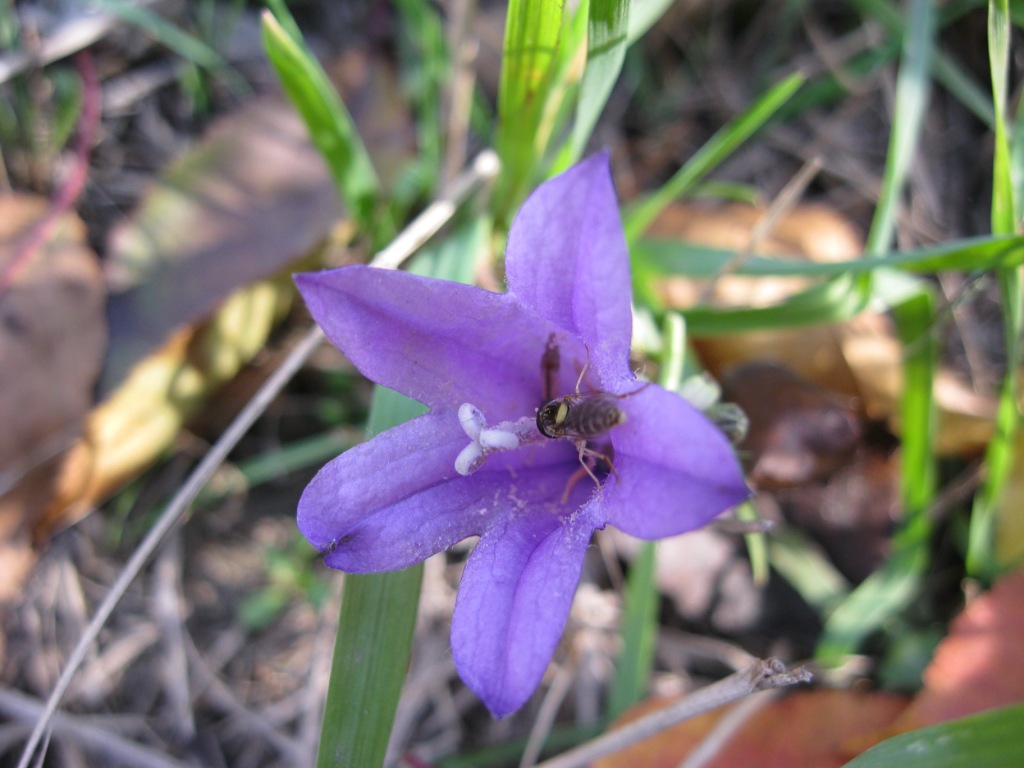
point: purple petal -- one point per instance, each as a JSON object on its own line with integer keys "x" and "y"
{"x": 377, "y": 474}
{"x": 676, "y": 470}
{"x": 567, "y": 260}
{"x": 439, "y": 342}
{"x": 513, "y": 602}
{"x": 396, "y": 500}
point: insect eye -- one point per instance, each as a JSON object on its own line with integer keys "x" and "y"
{"x": 548, "y": 417}
{"x": 561, "y": 412}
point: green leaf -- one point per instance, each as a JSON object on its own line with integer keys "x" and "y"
{"x": 639, "y": 630}
{"x": 329, "y": 123}
{"x": 912, "y": 86}
{"x": 162, "y": 31}
{"x": 979, "y": 253}
{"x": 642, "y": 16}
{"x": 533, "y": 48}
{"x": 639, "y": 216}
{"x": 606, "y": 50}
{"x": 987, "y": 740}
{"x": 378, "y": 612}
{"x": 999, "y": 457}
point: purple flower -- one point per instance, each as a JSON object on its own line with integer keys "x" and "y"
{"x": 477, "y": 465}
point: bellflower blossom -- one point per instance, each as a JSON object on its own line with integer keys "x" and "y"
{"x": 477, "y": 465}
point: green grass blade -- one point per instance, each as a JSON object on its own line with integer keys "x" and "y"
{"x": 720, "y": 146}
{"x": 833, "y": 301}
{"x": 378, "y": 616}
{"x": 912, "y": 86}
{"x": 970, "y": 255}
{"x": 639, "y": 630}
{"x": 999, "y": 457}
{"x": 643, "y": 14}
{"x": 606, "y": 50}
{"x": 987, "y": 740}
{"x": 162, "y": 31}
{"x": 946, "y": 71}
{"x": 891, "y": 589}
{"x": 329, "y": 123}
{"x": 378, "y": 612}
{"x": 536, "y": 40}
{"x": 424, "y": 57}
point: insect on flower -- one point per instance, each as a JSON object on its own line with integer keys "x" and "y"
{"x": 492, "y": 458}
{"x": 578, "y": 416}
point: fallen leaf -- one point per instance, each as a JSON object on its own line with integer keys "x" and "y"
{"x": 798, "y": 432}
{"x": 251, "y": 198}
{"x": 861, "y": 358}
{"x": 979, "y": 665}
{"x": 52, "y": 336}
{"x": 812, "y": 729}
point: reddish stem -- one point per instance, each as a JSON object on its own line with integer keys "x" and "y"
{"x": 88, "y": 122}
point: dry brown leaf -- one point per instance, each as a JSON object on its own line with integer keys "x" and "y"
{"x": 52, "y": 334}
{"x": 249, "y": 199}
{"x": 861, "y": 357}
{"x": 806, "y": 729}
{"x": 979, "y": 665}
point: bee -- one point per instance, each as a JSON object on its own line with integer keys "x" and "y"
{"x": 579, "y": 416}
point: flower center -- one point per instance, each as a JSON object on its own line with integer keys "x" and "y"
{"x": 503, "y": 436}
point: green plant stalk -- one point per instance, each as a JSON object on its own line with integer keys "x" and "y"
{"x": 531, "y": 62}
{"x": 889, "y": 590}
{"x": 374, "y": 642}
{"x": 999, "y": 458}
{"x": 720, "y": 146}
{"x": 329, "y": 124}
{"x": 989, "y": 739}
{"x": 607, "y": 26}
{"x": 969, "y": 255}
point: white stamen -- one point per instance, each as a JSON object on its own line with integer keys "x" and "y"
{"x": 498, "y": 440}
{"x": 504, "y": 436}
{"x": 472, "y": 420}
{"x": 469, "y": 459}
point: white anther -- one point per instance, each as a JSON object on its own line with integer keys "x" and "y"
{"x": 504, "y": 436}
{"x": 496, "y": 439}
{"x": 472, "y": 420}
{"x": 469, "y": 459}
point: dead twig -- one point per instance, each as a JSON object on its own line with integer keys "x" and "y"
{"x": 762, "y": 675}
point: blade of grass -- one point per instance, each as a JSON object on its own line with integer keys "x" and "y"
{"x": 329, "y": 123}
{"x": 424, "y": 58}
{"x": 534, "y": 45}
{"x": 999, "y": 457}
{"x": 889, "y": 590}
{"x": 606, "y": 50}
{"x": 162, "y": 31}
{"x": 378, "y": 613}
{"x": 987, "y": 740}
{"x": 640, "y": 614}
{"x": 945, "y": 70}
{"x": 639, "y": 216}
{"x": 643, "y": 14}
{"x": 969, "y": 255}
{"x": 374, "y": 642}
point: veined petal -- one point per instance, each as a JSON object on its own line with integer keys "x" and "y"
{"x": 513, "y": 602}
{"x": 376, "y": 474}
{"x": 676, "y": 470}
{"x": 397, "y": 500}
{"x": 439, "y": 342}
{"x": 567, "y": 260}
